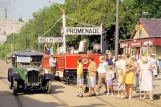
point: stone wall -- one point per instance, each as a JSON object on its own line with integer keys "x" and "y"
{"x": 8, "y": 27}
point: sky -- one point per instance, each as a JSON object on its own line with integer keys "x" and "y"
{"x": 23, "y": 8}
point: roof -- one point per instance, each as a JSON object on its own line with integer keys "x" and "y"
{"x": 152, "y": 27}
{"x": 27, "y": 54}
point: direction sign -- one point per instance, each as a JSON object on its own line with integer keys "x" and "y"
{"x": 83, "y": 31}
{"x": 50, "y": 39}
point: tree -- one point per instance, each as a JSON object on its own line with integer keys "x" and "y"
{"x": 86, "y": 11}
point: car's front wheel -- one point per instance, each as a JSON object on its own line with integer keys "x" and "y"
{"x": 49, "y": 87}
{"x": 15, "y": 87}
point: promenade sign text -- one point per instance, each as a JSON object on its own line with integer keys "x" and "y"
{"x": 50, "y": 39}
{"x": 83, "y": 31}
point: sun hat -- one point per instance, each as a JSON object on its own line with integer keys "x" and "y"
{"x": 144, "y": 59}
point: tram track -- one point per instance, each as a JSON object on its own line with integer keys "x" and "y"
{"x": 63, "y": 103}
{"x": 106, "y": 102}
{"x": 19, "y": 103}
{"x": 110, "y": 104}
{"x": 147, "y": 103}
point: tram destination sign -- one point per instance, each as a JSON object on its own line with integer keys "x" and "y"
{"x": 50, "y": 39}
{"x": 83, "y": 31}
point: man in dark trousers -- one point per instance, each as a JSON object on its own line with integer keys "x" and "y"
{"x": 109, "y": 59}
{"x": 52, "y": 62}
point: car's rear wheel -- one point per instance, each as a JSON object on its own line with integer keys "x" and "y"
{"x": 15, "y": 87}
{"x": 49, "y": 87}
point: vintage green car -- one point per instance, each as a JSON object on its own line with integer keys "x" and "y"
{"x": 27, "y": 74}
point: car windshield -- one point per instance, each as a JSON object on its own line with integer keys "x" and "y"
{"x": 29, "y": 61}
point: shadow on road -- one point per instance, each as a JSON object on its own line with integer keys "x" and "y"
{"x": 55, "y": 89}
{"x": 4, "y": 93}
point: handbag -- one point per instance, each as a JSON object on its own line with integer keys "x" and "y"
{"x": 86, "y": 89}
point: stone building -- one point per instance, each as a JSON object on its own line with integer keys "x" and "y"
{"x": 8, "y": 27}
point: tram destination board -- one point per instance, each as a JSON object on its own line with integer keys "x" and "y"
{"x": 50, "y": 39}
{"x": 83, "y": 30}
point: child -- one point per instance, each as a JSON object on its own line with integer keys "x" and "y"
{"x": 80, "y": 78}
{"x": 121, "y": 86}
{"x": 109, "y": 80}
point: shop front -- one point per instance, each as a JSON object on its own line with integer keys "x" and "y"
{"x": 142, "y": 47}
{"x": 145, "y": 39}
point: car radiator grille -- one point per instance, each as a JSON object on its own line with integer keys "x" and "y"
{"x": 33, "y": 76}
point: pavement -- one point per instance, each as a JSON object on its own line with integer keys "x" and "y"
{"x": 64, "y": 95}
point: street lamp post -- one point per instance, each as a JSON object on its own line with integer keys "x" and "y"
{"x": 117, "y": 29}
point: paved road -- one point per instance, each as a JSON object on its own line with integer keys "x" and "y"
{"x": 65, "y": 96}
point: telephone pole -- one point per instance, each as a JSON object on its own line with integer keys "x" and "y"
{"x": 27, "y": 47}
{"x": 117, "y": 30}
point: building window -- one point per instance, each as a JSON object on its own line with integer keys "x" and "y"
{"x": 145, "y": 51}
{"x": 158, "y": 51}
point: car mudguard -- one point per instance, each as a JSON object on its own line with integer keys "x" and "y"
{"x": 48, "y": 76}
{"x": 16, "y": 76}
{"x": 9, "y": 74}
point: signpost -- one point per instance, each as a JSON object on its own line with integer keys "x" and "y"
{"x": 83, "y": 30}
{"x": 50, "y": 39}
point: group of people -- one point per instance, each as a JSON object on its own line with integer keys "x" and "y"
{"x": 52, "y": 50}
{"x": 128, "y": 72}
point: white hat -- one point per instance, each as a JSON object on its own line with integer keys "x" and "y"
{"x": 153, "y": 54}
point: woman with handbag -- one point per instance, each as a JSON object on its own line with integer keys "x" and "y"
{"x": 91, "y": 77}
{"x": 129, "y": 77}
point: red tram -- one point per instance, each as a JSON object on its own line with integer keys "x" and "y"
{"x": 66, "y": 67}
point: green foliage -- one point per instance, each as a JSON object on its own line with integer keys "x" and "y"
{"x": 86, "y": 11}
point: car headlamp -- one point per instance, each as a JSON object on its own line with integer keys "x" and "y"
{"x": 24, "y": 72}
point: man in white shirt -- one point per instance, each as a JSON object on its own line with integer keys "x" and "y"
{"x": 82, "y": 46}
{"x": 52, "y": 63}
{"x": 102, "y": 69}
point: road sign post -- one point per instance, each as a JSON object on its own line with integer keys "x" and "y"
{"x": 50, "y": 39}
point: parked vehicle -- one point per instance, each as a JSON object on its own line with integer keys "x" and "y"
{"x": 66, "y": 66}
{"x": 26, "y": 73}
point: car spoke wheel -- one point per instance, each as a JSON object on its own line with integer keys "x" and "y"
{"x": 15, "y": 87}
{"x": 49, "y": 87}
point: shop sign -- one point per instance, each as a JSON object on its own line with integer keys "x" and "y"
{"x": 148, "y": 43}
{"x": 136, "y": 44}
{"x": 123, "y": 45}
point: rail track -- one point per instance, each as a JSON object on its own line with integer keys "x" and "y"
{"x": 106, "y": 102}
{"x": 16, "y": 97}
{"x": 112, "y": 105}
{"x": 19, "y": 103}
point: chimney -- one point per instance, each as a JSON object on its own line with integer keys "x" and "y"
{"x": 5, "y": 13}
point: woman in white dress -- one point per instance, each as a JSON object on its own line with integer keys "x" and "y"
{"x": 146, "y": 77}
